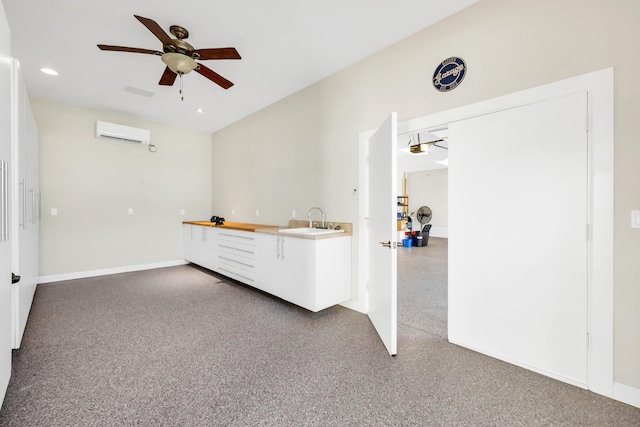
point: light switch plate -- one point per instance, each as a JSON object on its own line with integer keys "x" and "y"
{"x": 130, "y": 211}
{"x": 635, "y": 219}
{"x": 54, "y": 211}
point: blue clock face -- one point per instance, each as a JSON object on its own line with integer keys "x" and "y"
{"x": 449, "y": 74}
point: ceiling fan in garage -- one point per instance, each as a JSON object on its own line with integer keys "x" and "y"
{"x": 179, "y": 56}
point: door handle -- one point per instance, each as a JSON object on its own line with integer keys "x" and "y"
{"x": 386, "y": 244}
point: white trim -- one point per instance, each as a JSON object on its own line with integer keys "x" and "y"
{"x": 107, "y": 271}
{"x": 599, "y": 85}
{"x": 354, "y": 305}
{"x": 627, "y": 394}
{"x": 363, "y": 219}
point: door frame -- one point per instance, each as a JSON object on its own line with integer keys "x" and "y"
{"x": 599, "y": 86}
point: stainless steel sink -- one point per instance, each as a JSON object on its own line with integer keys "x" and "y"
{"x": 309, "y": 231}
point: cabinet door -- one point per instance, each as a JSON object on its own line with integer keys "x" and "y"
{"x": 200, "y": 245}
{"x": 298, "y": 270}
{"x": 5, "y": 245}
{"x": 268, "y": 263}
{"x": 208, "y": 249}
{"x": 191, "y": 239}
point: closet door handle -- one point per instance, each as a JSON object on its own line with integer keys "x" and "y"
{"x": 3, "y": 201}
{"x": 23, "y": 224}
{"x": 33, "y": 205}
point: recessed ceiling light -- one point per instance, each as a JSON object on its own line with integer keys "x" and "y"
{"x": 49, "y": 71}
{"x": 199, "y": 110}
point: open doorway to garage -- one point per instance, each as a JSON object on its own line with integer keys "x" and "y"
{"x": 597, "y": 120}
{"x": 422, "y": 269}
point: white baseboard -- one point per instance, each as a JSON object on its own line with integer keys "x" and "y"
{"x": 353, "y": 305}
{"x": 627, "y": 394}
{"x": 107, "y": 271}
{"x": 439, "y": 231}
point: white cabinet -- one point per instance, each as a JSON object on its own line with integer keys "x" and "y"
{"x": 314, "y": 274}
{"x": 5, "y": 211}
{"x": 26, "y": 204}
{"x": 200, "y": 245}
{"x": 236, "y": 253}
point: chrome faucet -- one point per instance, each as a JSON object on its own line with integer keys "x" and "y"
{"x": 309, "y": 216}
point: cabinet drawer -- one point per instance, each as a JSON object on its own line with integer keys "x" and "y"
{"x": 236, "y": 251}
{"x": 239, "y": 270}
{"x": 240, "y": 237}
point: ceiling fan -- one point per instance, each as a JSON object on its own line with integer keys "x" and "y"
{"x": 179, "y": 56}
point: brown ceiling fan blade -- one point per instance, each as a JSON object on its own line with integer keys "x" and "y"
{"x": 213, "y": 76}
{"x": 128, "y": 49}
{"x": 168, "y": 77}
{"x": 155, "y": 29}
{"x": 218, "y": 53}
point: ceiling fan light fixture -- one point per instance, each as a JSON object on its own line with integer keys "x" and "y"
{"x": 179, "y": 63}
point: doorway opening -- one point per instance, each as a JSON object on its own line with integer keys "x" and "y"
{"x": 422, "y": 268}
{"x": 598, "y": 88}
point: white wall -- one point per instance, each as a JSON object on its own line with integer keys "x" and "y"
{"x": 430, "y": 188}
{"x": 303, "y": 151}
{"x": 92, "y": 182}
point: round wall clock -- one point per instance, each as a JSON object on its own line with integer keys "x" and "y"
{"x": 449, "y": 74}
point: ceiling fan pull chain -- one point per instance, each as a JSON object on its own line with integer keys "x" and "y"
{"x": 181, "y": 94}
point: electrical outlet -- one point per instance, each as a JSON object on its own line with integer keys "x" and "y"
{"x": 182, "y": 211}
{"x": 130, "y": 211}
{"x": 257, "y": 212}
{"x": 635, "y": 219}
{"x": 54, "y": 211}
{"x": 233, "y": 211}
{"x": 293, "y": 213}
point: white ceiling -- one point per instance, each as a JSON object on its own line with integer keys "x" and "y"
{"x": 285, "y": 46}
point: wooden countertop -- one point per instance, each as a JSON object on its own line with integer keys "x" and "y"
{"x": 273, "y": 229}
{"x": 243, "y": 226}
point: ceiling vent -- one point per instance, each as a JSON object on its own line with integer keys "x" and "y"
{"x": 122, "y": 133}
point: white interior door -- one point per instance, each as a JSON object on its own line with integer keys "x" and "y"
{"x": 383, "y": 292}
{"x": 518, "y": 206}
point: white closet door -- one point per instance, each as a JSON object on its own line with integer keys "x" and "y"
{"x": 518, "y": 194}
{"x": 5, "y": 208}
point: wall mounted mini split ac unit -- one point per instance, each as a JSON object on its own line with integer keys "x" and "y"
{"x": 122, "y": 133}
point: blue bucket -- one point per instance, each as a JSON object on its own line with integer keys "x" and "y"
{"x": 407, "y": 243}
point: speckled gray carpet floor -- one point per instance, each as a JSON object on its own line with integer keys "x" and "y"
{"x": 422, "y": 287}
{"x": 181, "y": 347}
